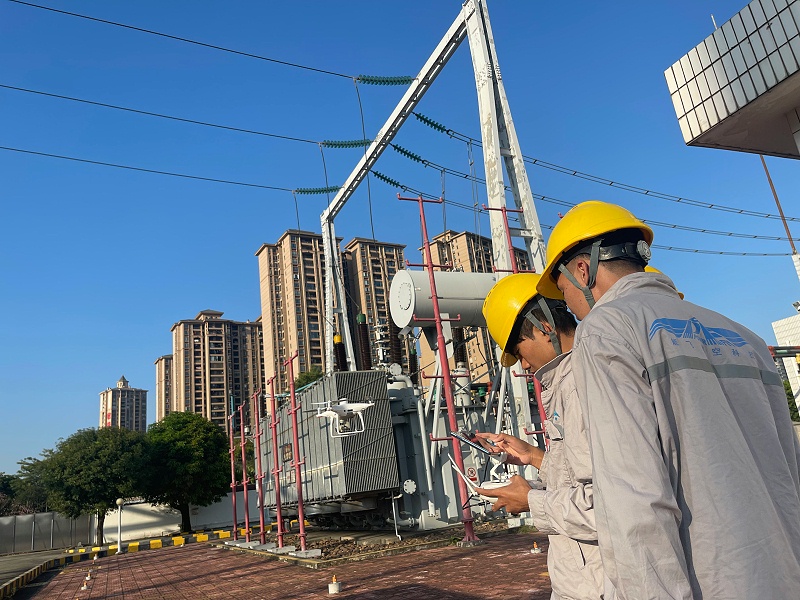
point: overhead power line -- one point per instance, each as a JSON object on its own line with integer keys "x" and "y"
{"x": 381, "y": 176}
{"x": 602, "y": 180}
{"x": 551, "y": 200}
{"x": 394, "y": 183}
{"x": 163, "y": 116}
{"x": 187, "y": 40}
{"x": 339, "y": 144}
{"x": 143, "y": 170}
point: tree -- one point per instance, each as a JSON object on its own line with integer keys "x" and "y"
{"x": 7, "y": 504}
{"x": 306, "y": 377}
{"x": 792, "y": 404}
{"x": 188, "y": 463}
{"x": 90, "y": 469}
{"x": 30, "y": 490}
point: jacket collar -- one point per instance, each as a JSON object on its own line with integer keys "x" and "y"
{"x": 651, "y": 283}
{"x": 554, "y": 372}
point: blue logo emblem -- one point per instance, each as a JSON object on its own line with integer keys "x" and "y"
{"x": 694, "y": 330}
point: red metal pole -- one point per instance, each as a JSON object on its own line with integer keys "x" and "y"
{"x": 244, "y": 476}
{"x": 276, "y": 469}
{"x": 259, "y": 471}
{"x": 514, "y": 268}
{"x": 233, "y": 477}
{"x": 512, "y": 256}
{"x": 466, "y": 512}
{"x": 297, "y": 463}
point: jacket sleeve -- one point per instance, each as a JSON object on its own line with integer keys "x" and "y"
{"x": 636, "y": 512}
{"x": 568, "y": 511}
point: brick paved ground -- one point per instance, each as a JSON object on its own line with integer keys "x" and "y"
{"x": 502, "y": 567}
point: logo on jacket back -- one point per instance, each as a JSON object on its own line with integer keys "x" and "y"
{"x": 695, "y": 330}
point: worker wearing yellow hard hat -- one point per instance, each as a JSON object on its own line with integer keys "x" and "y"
{"x": 693, "y": 449}
{"x": 540, "y": 332}
{"x": 602, "y": 232}
{"x": 503, "y": 311}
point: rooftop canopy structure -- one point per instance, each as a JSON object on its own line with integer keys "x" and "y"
{"x": 739, "y": 89}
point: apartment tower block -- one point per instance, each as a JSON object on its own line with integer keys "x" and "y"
{"x": 163, "y": 386}
{"x": 217, "y": 366}
{"x": 124, "y": 407}
{"x": 369, "y": 266}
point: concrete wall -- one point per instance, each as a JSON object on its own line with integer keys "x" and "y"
{"x": 143, "y": 520}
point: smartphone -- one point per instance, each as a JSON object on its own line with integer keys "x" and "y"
{"x": 469, "y": 439}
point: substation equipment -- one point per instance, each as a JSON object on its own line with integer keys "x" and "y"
{"x": 400, "y": 469}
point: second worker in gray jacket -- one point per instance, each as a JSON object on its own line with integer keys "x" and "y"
{"x": 537, "y": 331}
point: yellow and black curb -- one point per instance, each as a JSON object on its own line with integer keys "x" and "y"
{"x": 10, "y": 588}
{"x": 74, "y": 555}
{"x": 165, "y": 542}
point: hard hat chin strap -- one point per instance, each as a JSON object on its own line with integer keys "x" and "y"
{"x": 548, "y": 315}
{"x": 594, "y": 262}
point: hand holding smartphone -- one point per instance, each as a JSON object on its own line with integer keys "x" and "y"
{"x": 469, "y": 438}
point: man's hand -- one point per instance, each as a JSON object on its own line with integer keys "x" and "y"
{"x": 513, "y": 497}
{"x": 519, "y": 452}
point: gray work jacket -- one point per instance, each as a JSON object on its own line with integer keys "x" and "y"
{"x": 697, "y": 489}
{"x": 565, "y": 509}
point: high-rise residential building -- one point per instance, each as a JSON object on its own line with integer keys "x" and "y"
{"x": 216, "y": 365}
{"x": 369, "y": 266}
{"x": 124, "y": 407}
{"x": 291, "y": 273}
{"x": 470, "y": 253}
{"x": 163, "y": 386}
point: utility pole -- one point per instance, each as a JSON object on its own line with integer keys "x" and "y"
{"x": 795, "y": 256}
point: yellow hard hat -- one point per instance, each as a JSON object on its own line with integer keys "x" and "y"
{"x": 503, "y": 306}
{"x": 650, "y": 269}
{"x": 583, "y": 222}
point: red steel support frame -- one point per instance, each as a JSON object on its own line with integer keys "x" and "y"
{"x": 262, "y": 535}
{"x": 505, "y": 210}
{"x": 244, "y": 476}
{"x": 463, "y": 501}
{"x": 277, "y": 469}
{"x": 297, "y": 462}
{"x": 233, "y": 477}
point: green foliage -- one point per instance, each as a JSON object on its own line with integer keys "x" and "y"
{"x": 790, "y": 399}
{"x": 306, "y": 377}
{"x": 90, "y": 469}
{"x": 30, "y": 490}
{"x": 6, "y": 495}
{"x": 188, "y": 463}
{"x": 6, "y": 483}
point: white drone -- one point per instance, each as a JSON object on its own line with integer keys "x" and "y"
{"x": 345, "y": 416}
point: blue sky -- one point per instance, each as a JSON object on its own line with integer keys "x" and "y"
{"x": 97, "y": 263}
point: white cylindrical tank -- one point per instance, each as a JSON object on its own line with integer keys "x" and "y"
{"x": 459, "y": 294}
